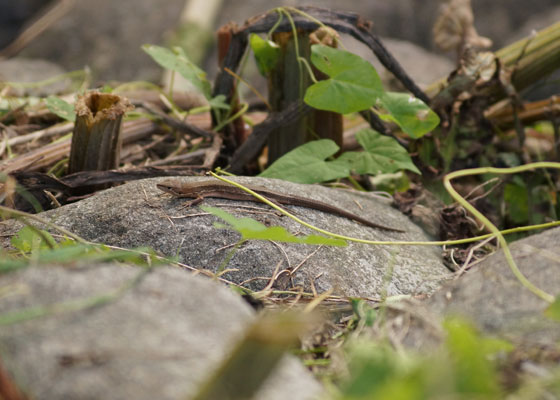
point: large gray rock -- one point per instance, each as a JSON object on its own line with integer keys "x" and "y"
{"x": 160, "y": 339}
{"x": 23, "y": 70}
{"x": 138, "y": 214}
{"x": 496, "y": 302}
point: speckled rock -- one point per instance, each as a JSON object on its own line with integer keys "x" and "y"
{"x": 160, "y": 338}
{"x": 138, "y": 214}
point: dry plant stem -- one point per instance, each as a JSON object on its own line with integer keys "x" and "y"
{"x": 467, "y": 264}
{"x": 501, "y": 114}
{"x": 507, "y": 253}
{"x": 96, "y": 141}
{"x": 211, "y": 154}
{"x": 540, "y": 57}
{"x": 45, "y": 156}
{"x": 172, "y": 122}
{"x": 381, "y": 242}
{"x": 251, "y": 148}
{"x": 42, "y": 134}
{"x": 287, "y": 84}
{"x": 181, "y": 158}
{"x": 9, "y": 389}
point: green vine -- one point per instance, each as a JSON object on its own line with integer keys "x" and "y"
{"x": 494, "y": 230}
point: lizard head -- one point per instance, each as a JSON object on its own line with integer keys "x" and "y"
{"x": 171, "y": 187}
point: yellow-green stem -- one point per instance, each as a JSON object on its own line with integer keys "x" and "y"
{"x": 507, "y": 253}
{"x": 379, "y": 242}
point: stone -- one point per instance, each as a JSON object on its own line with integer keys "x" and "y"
{"x": 494, "y": 300}
{"x": 161, "y": 338}
{"x": 23, "y": 70}
{"x": 138, "y": 214}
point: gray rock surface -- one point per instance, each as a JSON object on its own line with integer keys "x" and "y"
{"x": 495, "y": 301}
{"x": 23, "y": 70}
{"x": 160, "y": 340}
{"x": 138, "y": 214}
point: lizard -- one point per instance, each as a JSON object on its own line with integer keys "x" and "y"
{"x": 199, "y": 190}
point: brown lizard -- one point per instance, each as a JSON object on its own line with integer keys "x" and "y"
{"x": 199, "y": 190}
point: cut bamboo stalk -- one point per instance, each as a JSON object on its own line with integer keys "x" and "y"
{"x": 49, "y": 154}
{"x": 287, "y": 83}
{"x": 96, "y": 141}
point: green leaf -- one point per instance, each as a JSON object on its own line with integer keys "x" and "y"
{"x": 473, "y": 371}
{"x": 177, "y": 60}
{"x": 61, "y": 108}
{"x": 383, "y": 154}
{"x": 553, "y": 310}
{"x": 374, "y": 369}
{"x": 28, "y": 240}
{"x": 266, "y": 53}
{"x": 354, "y": 85}
{"x": 391, "y": 182}
{"x": 219, "y": 102}
{"x": 306, "y": 164}
{"x": 252, "y": 229}
{"x": 363, "y": 311}
{"x": 413, "y": 115}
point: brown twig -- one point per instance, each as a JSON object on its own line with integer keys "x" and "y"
{"x": 256, "y": 141}
{"x": 44, "y": 156}
{"x": 212, "y": 153}
{"x": 172, "y": 122}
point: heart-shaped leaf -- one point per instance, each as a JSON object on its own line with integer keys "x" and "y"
{"x": 306, "y": 164}
{"x": 266, "y": 53}
{"x": 382, "y": 154}
{"x": 413, "y": 115}
{"x": 354, "y": 85}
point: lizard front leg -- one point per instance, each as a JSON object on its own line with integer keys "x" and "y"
{"x": 193, "y": 202}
